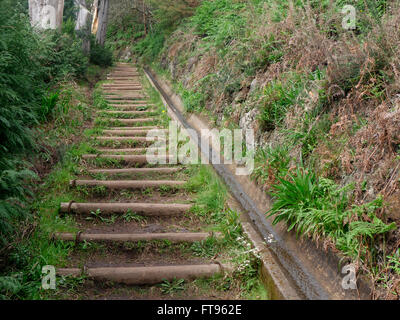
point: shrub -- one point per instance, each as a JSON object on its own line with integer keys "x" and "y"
{"x": 48, "y": 105}
{"x": 219, "y": 21}
{"x": 169, "y": 13}
{"x": 150, "y": 46}
{"x": 124, "y": 33}
{"x": 67, "y": 58}
{"x": 272, "y": 163}
{"x": 70, "y": 10}
{"x": 192, "y": 101}
{"x": 278, "y": 97}
{"x": 99, "y": 55}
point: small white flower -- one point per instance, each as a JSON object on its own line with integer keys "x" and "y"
{"x": 270, "y": 238}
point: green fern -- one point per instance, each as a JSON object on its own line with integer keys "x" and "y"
{"x": 317, "y": 207}
{"x": 9, "y": 286}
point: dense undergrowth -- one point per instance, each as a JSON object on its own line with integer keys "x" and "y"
{"x": 31, "y": 64}
{"x": 42, "y": 108}
{"x": 323, "y": 101}
{"x": 31, "y": 248}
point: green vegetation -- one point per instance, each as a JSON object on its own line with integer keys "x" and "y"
{"x": 193, "y": 101}
{"x": 319, "y": 94}
{"x": 168, "y": 14}
{"x": 100, "y": 55}
{"x": 124, "y": 33}
{"x": 23, "y": 275}
{"x": 277, "y": 99}
{"x": 317, "y": 207}
{"x": 31, "y": 249}
{"x": 228, "y": 241}
{"x": 394, "y": 262}
{"x": 150, "y": 47}
{"x": 42, "y": 108}
{"x": 271, "y": 163}
{"x": 169, "y": 287}
{"x": 211, "y": 207}
{"x": 30, "y": 64}
{"x": 325, "y": 114}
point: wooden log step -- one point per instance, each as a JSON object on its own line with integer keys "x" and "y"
{"x": 127, "y": 184}
{"x": 136, "y": 170}
{"x": 134, "y": 237}
{"x": 122, "y": 84}
{"x": 124, "y": 98}
{"x": 134, "y": 128}
{"x": 126, "y": 150}
{"x": 124, "y": 65}
{"x": 131, "y": 121}
{"x": 129, "y": 158}
{"x": 120, "y": 69}
{"x": 146, "y": 275}
{"x": 122, "y": 78}
{"x": 130, "y": 102}
{"x": 123, "y": 72}
{"x": 131, "y": 132}
{"x": 127, "y": 138}
{"x": 124, "y": 95}
{"x": 126, "y": 83}
{"x": 108, "y": 91}
{"x": 119, "y": 89}
{"x": 146, "y": 209}
{"x": 125, "y": 78}
{"x": 133, "y": 104}
{"x": 140, "y": 113}
{"x": 121, "y": 107}
{"x": 132, "y": 107}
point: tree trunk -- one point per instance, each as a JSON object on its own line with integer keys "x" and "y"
{"x": 83, "y": 16}
{"x": 82, "y": 26}
{"x": 46, "y": 14}
{"x": 100, "y": 19}
{"x": 144, "y": 19}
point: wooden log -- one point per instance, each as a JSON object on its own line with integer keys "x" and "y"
{"x": 127, "y": 184}
{"x": 134, "y": 237}
{"x": 147, "y": 275}
{"x": 146, "y": 209}
{"x": 141, "y": 159}
{"x": 136, "y": 170}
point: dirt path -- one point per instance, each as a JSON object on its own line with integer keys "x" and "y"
{"x": 141, "y": 234}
